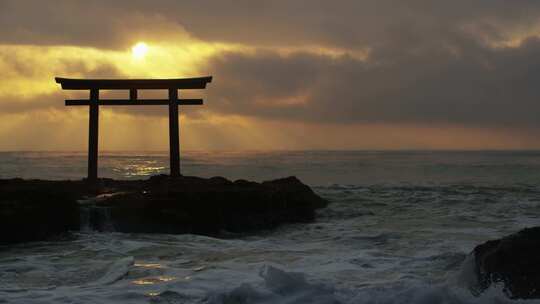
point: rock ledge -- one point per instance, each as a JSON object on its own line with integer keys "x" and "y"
{"x": 33, "y": 210}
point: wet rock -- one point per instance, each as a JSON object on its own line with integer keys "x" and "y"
{"x": 35, "y": 210}
{"x": 209, "y": 206}
{"x": 513, "y": 261}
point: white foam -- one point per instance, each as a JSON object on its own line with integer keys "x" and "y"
{"x": 279, "y": 287}
{"x": 116, "y": 271}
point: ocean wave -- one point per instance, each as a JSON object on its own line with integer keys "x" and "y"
{"x": 279, "y": 287}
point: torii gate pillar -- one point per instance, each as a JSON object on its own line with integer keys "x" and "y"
{"x": 174, "y": 135}
{"x": 93, "y": 132}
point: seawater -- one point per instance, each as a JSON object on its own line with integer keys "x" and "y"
{"x": 399, "y": 229}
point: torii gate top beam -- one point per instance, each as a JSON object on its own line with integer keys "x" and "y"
{"x": 140, "y": 84}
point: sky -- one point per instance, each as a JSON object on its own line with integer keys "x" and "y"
{"x": 288, "y": 74}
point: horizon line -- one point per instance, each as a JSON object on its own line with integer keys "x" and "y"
{"x": 282, "y": 150}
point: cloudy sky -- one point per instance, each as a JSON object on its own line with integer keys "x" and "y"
{"x": 288, "y": 74}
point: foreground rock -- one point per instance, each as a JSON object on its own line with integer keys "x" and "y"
{"x": 35, "y": 210}
{"x": 513, "y": 261}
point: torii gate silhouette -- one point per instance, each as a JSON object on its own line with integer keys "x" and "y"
{"x": 94, "y": 85}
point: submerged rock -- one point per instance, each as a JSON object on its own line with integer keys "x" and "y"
{"x": 34, "y": 210}
{"x": 513, "y": 261}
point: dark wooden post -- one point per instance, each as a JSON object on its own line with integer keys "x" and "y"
{"x": 174, "y": 136}
{"x": 93, "y": 135}
{"x": 132, "y": 94}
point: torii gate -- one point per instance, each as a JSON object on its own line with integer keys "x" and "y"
{"x": 94, "y": 85}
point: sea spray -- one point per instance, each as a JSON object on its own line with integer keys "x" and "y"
{"x": 94, "y": 217}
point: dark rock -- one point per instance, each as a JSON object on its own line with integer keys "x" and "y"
{"x": 513, "y": 261}
{"x": 34, "y": 210}
{"x": 208, "y": 206}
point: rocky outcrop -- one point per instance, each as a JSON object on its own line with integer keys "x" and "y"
{"x": 34, "y": 210}
{"x": 513, "y": 261}
{"x": 208, "y": 206}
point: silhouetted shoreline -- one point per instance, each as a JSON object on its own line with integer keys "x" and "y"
{"x": 34, "y": 210}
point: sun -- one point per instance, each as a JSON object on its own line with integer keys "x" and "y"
{"x": 139, "y": 50}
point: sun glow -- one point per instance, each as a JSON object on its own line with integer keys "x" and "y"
{"x": 139, "y": 50}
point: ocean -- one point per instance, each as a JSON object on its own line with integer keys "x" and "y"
{"x": 399, "y": 229}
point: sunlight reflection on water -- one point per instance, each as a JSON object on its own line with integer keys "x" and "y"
{"x": 153, "y": 280}
{"x": 148, "y": 265}
{"x": 144, "y": 169}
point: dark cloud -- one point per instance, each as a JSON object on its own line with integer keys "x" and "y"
{"x": 345, "y": 23}
{"x": 468, "y": 84}
{"x": 103, "y": 24}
